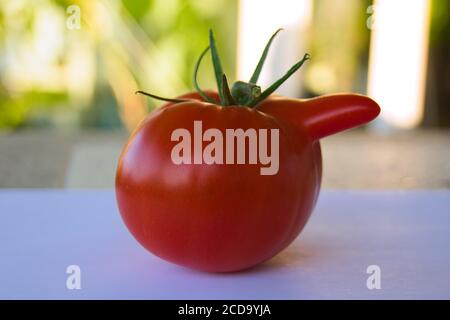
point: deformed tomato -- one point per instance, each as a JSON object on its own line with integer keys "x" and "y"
{"x": 224, "y": 215}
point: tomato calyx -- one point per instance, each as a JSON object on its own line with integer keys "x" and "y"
{"x": 242, "y": 93}
{"x": 245, "y": 92}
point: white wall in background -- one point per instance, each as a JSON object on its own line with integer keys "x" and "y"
{"x": 398, "y": 59}
{"x": 258, "y": 20}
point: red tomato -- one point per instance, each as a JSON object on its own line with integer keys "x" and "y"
{"x": 228, "y": 217}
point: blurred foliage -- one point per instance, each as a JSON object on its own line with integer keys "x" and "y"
{"x": 339, "y": 47}
{"x": 440, "y": 20}
{"x": 51, "y": 75}
{"x": 438, "y": 84}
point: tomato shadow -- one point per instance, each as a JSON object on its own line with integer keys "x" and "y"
{"x": 293, "y": 257}
{"x": 289, "y": 274}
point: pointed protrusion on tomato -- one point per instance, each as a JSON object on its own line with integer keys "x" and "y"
{"x": 331, "y": 114}
{"x": 325, "y": 115}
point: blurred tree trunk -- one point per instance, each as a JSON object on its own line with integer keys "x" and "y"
{"x": 437, "y": 110}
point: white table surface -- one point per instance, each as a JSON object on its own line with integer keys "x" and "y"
{"x": 407, "y": 234}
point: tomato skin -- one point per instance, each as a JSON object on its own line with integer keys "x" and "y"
{"x": 219, "y": 218}
{"x": 325, "y": 115}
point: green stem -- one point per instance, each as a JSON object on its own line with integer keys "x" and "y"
{"x": 243, "y": 93}
{"x": 216, "y": 63}
{"x": 279, "y": 82}
{"x": 161, "y": 98}
{"x": 263, "y": 58}
{"x": 227, "y": 97}
{"x": 197, "y": 87}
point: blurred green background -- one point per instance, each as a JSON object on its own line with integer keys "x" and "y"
{"x": 55, "y": 76}
{"x": 52, "y": 75}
